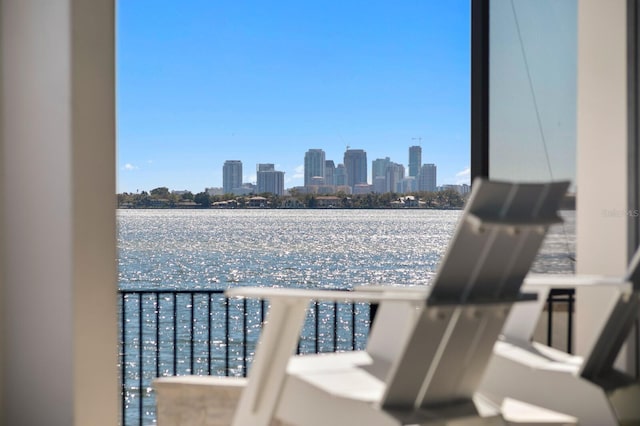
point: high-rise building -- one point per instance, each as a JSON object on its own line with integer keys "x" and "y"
{"x": 408, "y": 184}
{"x": 380, "y": 184}
{"x": 265, "y": 167}
{"x": 340, "y": 175}
{"x": 329, "y": 172}
{"x": 270, "y": 180}
{"x": 231, "y": 176}
{"x": 427, "y": 178}
{"x": 415, "y": 159}
{"x": 379, "y": 167}
{"x": 355, "y": 164}
{"x": 314, "y": 164}
{"x": 394, "y": 175}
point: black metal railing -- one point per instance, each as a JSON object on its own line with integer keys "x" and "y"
{"x": 561, "y": 301}
{"x": 178, "y": 332}
{"x": 201, "y": 332}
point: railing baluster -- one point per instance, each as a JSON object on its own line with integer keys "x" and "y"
{"x": 226, "y": 334}
{"x": 570, "y": 322}
{"x": 316, "y": 312}
{"x": 373, "y": 310}
{"x": 353, "y": 326}
{"x": 550, "y": 318}
{"x": 192, "y": 335}
{"x": 123, "y": 359}
{"x": 175, "y": 333}
{"x": 244, "y": 337}
{"x": 335, "y": 326}
{"x": 157, "y": 334}
{"x": 209, "y": 325}
{"x": 140, "y": 359}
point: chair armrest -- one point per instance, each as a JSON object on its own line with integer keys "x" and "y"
{"x": 279, "y": 339}
{"x": 386, "y": 288}
{"x": 296, "y": 294}
{"x": 535, "y": 282}
{"x": 524, "y": 317}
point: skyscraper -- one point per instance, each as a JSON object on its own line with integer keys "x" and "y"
{"x": 314, "y": 164}
{"x": 355, "y": 163}
{"x": 265, "y": 167}
{"x": 394, "y": 175}
{"x": 231, "y": 176}
{"x": 340, "y": 175}
{"x": 329, "y": 172}
{"x": 269, "y": 179}
{"x": 408, "y": 184}
{"x": 427, "y": 178}
{"x": 379, "y": 167}
{"x": 415, "y": 159}
{"x": 380, "y": 184}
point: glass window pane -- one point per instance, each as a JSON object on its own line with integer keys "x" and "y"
{"x": 533, "y": 53}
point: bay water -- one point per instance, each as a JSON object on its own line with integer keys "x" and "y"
{"x": 217, "y": 249}
{"x": 190, "y": 249}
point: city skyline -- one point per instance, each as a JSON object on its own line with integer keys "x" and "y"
{"x": 385, "y": 176}
{"x": 204, "y": 82}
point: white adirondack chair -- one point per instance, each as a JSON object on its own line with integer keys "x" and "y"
{"x": 589, "y": 387}
{"x": 428, "y": 349}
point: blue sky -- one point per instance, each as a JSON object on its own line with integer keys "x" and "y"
{"x": 203, "y": 81}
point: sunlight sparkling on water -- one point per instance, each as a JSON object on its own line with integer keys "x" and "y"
{"x": 295, "y": 248}
{"x": 216, "y": 249}
{"x": 299, "y": 248}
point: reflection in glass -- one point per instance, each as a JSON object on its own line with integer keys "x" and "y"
{"x": 533, "y": 89}
{"x": 532, "y": 98}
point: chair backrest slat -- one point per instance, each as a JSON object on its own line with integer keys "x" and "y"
{"x": 614, "y": 332}
{"x": 475, "y": 266}
{"x": 463, "y": 362}
{"x": 495, "y": 243}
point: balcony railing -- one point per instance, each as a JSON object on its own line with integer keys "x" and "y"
{"x": 179, "y": 332}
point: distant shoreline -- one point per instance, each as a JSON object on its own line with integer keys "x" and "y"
{"x": 289, "y": 208}
{"x": 162, "y": 199}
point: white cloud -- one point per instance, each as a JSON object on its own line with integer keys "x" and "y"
{"x": 295, "y": 176}
{"x": 463, "y": 176}
{"x": 250, "y": 178}
{"x": 130, "y": 167}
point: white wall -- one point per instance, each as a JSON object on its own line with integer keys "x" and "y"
{"x": 602, "y": 150}
{"x": 59, "y": 314}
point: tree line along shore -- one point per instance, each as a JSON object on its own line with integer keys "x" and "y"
{"x": 162, "y": 198}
